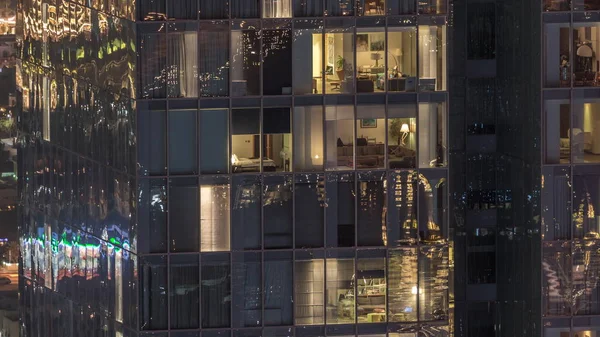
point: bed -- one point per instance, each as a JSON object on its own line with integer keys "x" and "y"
{"x": 251, "y": 164}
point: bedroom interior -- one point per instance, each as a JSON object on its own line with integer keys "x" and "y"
{"x": 579, "y": 143}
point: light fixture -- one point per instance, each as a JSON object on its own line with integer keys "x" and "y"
{"x": 317, "y": 160}
{"x": 376, "y": 57}
{"x": 413, "y": 290}
{"x": 405, "y": 130}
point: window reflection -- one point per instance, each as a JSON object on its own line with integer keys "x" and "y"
{"x": 432, "y": 135}
{"x": 339, "y": 7}
{"x": 432, "y": 58}
{"x": 246, "y": 212}
{"x": 277, "y": 8}
{"x": 556, "y": 283}
{"x": 214, "y": 141}
{"x": 308, "y": 8}
{"x": 403, "y": 290}
{"x": 370, "y": 290}
{"x": 340, "y": 290}
{"x": 183, "y": 215}
{"x": 586, "y": 202}
{"x": 431, "y": 6}
{"x": 214, "y": 215}
{"x": 309, "y": 210}
{"x": 278, "y": 211}
{"x": 216, "y": 291}
{"x": 433, "y": 190}
{"x": 371, "y": 229}
{"x": 153, "y": 62}
{"x": 309, "y": 286}
{"x": 244, "y": 8}
{"x": 245, "y": 61}
{"x": 277, "y": 59}
{"x": 153, "y": 296}
{"x": 278, "y": 283}
{"x": 402, "y": 218}
{"x": 247, "y": 293}
{"x": 586, "y": 271}
{"x": 184, "y": 292}
{"x": 213, "y": 67}
{"x": 213, "y": 9}
{"x": 433, "y": 283}
{"x": 182, "y": 9}
{"x": 340, "y": 211}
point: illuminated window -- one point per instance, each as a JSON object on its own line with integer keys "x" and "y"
{"x": 309, "y": 287}
{"x": 214, "y": 217}
{"x": 277, "y": 8}
{"x": 340, "y": 290}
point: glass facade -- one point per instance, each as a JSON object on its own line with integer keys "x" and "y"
{"x": 235, "y": 168}
{"x": 569, "y": 194}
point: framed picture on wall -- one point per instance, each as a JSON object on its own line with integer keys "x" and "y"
{"x": 362, "y": 42}
{"x": 368, "y": 123}
{"x": 377, "y": 42}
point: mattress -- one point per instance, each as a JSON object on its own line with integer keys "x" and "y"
{"x": 251, "y": 164}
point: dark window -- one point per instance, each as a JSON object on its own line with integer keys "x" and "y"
{"x": 183, "y": 215}
{"x": 214, "y": 143}
{"x": 481, "y": 31}
{"x": 153, "y": 295}
{"x": 185, "y": 292}
{"x": 309, "y": 204}
{"x": 278, "y": 279}
{"x": 216, "y": 291}
{"x": 277, "y": 61}
{"x": 182, "y": 142}
{"x": 246, "y": 287}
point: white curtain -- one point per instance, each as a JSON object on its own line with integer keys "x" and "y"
{"x": 277, "y": 8}
{"x": 183, "y": 53}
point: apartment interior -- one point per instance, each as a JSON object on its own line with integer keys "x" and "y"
{"x": 367, "y": 148}
{"x": 582, "y": 65}
{"x": 580, "y": 143}
{"x": 247, "y": 145}
{"x": 372, "y": 54}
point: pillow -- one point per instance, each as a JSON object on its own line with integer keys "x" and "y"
{"x": 564, "y": 142}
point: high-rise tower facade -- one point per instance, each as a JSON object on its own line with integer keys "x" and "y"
{"x": 235, "y": 168}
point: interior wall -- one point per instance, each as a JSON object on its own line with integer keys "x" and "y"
{"x": 378, "y": 133}
{"x": 242, "y": 145}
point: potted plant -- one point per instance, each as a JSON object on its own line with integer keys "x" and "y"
{"x": 339, "y": 64}
{"x": 395, "y": 127}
